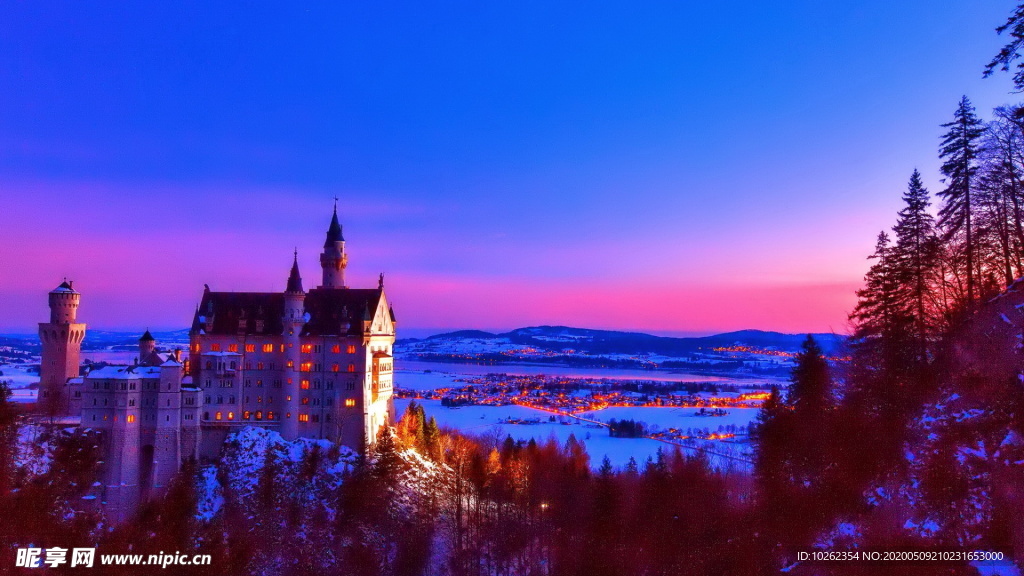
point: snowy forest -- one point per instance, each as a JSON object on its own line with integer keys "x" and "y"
{"x": 915, "y": 442}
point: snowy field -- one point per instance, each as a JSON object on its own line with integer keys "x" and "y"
{"x": 679, "y": 418}
{"x": 17, "y": 376}
{"x": 487, "y": 420}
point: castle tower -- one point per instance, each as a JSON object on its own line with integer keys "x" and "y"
{"x": 125, "y": 460}
{"x": 167, "y": 453}
{"x": 333, "y": 260}
{"x": 61, "y": 339}
{"x": 294, "y": 319}
{"x": 147, "y": 345}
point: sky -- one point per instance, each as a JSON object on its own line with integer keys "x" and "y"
{"x": 666, "y": 167}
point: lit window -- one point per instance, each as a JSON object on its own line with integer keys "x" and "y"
{"x": 195, "y": 348}
{"x": 336, "y": 368}
{"x": 245, "y": 415}
{"x": 131, "y": 418}
{"x": 351, "y": 367}
{"x": 306, "y": 366}
{"x": 231, "y": 415}
{"x": 291, "y": 364}
{"x": 215, "y": 347}
{"x": 233, "y": 348}
{"x": 287, "y": 398}
{"x": 220, "y": 416}
{"x": 336, "y": 348}
{"x": 350, "y": 402}
{"x": 259, "y": 415}
{"x": 304, "y": 385}
{"x": 305, "y": 400}
{"x": 307, "y": 348}
{"x": 270, "y": 415}
{"x": 282, "y": 347}
{"x": 250, "y": 347}
{"x": 303, "y": 417}
{"x": 288, "y": 415}
{"x": 268, "y": 347}
{"x": 351, "y": 349}
{"x": 259, "y": 365}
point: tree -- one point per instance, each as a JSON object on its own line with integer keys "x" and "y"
{"x": 959, "y": 150}
{"x": 1011, "y": 51}
{"x": 914, "y": 259}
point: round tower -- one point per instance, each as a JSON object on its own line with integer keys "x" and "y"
{"x": 333, "y": 260}
{"x": 61, "y": 340}
{"x": 294, "y": 319}
{"x": 147, "y": 345}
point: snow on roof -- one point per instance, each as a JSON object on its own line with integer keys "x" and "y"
{"x": 221, "y": 354}
{"x": 125, "y": 372}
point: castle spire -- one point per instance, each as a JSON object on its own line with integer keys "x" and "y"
{"x": 334, "y": 230}
{"x": 333, "y": 259}
{"x": 294, "y": 280}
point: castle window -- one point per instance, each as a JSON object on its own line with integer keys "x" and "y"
{"x": 316, "y": 384}
{"x": 351, "y": 349}
{"x": 277, "y": 383}
{"x": 307, "y": 348}
{"x": 93, "y": 417}
{"x": 245, "y": 415}
{"x": 167, "y": 418}
{"x": 330, "y": 385}
{"x": 215, "y": 348}
{"x": 336, "y": 348}
{"x": 350, "y": 385}
{"x": 248, "y": 383}
{"x": 290, "y": 364}
{"x": 209, "y": 365}
{"x": 250, "y": 347}
{"x": 233, "y": 365}
{"x": 288, "y": 415}
{"x": 206, "y": 415}
{"x": 351, "y": 367}
{"x": 168, "y": 401}
{"x": 248, "y": 365}
{"x": 327, "y": 418}
{"x": 259, "y": 399}
{"x": 270, "y": 415}
{"x": 270, "y": 399}
{"x": 304, "y": 384}
{"x": 207, "y": 399}
{"x": 306, "y": 366}
{"x": 94, "y": 401}
{"x": 232, "y": 400}
{"x": 131, "y": 402}
{"x": 329, "y": 401}
{"x": 259, "y": 365}
{"x": 220, "y": 399}
{"x": 95, "y": 385}
{"x": 220, "y": 415}
{"x": 317, "y": 348}
{"x": 233, "y": 348}
{"x": 305, "y": 400}
{"x": 303, "y": 417}
{"x": 316, "y": 417}
{"x": 268, "y": 347}
{"x": 194, "y": 348}
{"x": 282, "y": 348}
{"x": 350, "y": 402}
{"x": 335, "y": 368}
{"x": 231, "y": 415}
{"x": 288, "y": 398}
{"x": 131, "y": 418}
{"x": 246, "y": 399}
{"x": 259, "y": 415}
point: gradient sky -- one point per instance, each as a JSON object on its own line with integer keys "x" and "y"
{"x": 674, "y": 167}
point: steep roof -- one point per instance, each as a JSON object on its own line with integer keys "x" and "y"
{"x": 65, "y": 286}
{"x": 147, "y": 337}
{"x": 334, "y": 231}
{"x": 330, "y": 311}
{"x": 294, "y": 280}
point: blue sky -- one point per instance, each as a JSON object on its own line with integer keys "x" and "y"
{"x": 670, "y": 167}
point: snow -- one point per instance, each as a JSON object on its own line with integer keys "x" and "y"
{"x": 1004, "y": 568}
{"x": 679, "y": 418}
{"x": 491, "y": 421}
{"x": 18, "y": 376}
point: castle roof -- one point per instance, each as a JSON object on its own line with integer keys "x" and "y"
{"x": 330, "y": 312}
{"x": 65, "y": 286}
{"x": 147, "y": 337}
{"x": 294, "y": 280}
{"x": 334, "y": 231}
{"x": 125, "y": 372}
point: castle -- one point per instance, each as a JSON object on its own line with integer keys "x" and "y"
{"x": 314, "y": 364}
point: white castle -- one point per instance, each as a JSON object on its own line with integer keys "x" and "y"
{"x": 314, "y": 364}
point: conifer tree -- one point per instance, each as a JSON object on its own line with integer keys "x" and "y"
{"x": 914, "y": 256}
{"x": 959, "y": 150}
{"x": 1006, "y": 57}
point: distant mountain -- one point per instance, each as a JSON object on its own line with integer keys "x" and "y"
{"x": 585, "y": 340}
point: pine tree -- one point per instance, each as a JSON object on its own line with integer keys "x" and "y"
{"x": 959, "y": 150}
{"x": 1011, "y": 51}
{"x": 914, "y": 259}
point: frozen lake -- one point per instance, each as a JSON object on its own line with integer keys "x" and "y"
{"x": 417, "y": 375}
